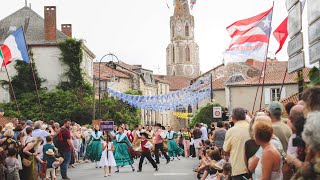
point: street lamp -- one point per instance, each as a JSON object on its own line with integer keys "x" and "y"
{"x": 110, "y": 54}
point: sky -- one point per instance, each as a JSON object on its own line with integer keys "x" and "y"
{"x": 137, "y": 31}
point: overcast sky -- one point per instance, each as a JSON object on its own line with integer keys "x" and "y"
{"x": 137, "y": 31}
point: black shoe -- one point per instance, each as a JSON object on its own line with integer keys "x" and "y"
{"x": 139, "y": 170}
{"x": 133, "y": 169}
{"x": 168, "y": 160}
{"x": 66, "y": 178}
{"x": 157, "y": 169}
{"x": 116, "y": 171}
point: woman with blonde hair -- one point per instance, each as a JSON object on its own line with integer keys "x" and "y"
{"x": 270, "y": 165}
{"x": 9, "y": 142}
{"x": 30, "y": 156}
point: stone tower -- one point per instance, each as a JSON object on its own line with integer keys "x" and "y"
{"x": 183, "y": 51}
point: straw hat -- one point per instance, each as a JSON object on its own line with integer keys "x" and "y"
{"x": 50, "y": 152}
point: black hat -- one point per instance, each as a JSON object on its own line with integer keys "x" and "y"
{"x": 158, "y": 124}
{"x": 147, "y": 135}
{"x": 144, "y": 134}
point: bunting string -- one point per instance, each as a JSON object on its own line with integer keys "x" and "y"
{"x": 182, "y": 115}
{"x": 176, "y": 100}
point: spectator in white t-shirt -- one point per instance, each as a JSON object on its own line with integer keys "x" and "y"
{"x": 204, "y": 131}
{"x": 37, "y": 132}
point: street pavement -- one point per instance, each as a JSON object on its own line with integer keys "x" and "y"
{"x": 175, "y": 170}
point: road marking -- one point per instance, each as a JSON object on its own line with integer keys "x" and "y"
{"x": 171, "y": 174}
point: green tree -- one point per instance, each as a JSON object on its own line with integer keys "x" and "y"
{"x": 23, "y": 81}
{"x": 57, "y": 105}
{"x": 204, "y": 115}
{"x": 314, "y": 76}
{"x": 121, "y": 112}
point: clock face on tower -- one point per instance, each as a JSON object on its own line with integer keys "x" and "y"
{"x": 188, "y": 70}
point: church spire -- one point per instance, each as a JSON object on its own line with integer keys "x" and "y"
{"x": 181, "y": 8}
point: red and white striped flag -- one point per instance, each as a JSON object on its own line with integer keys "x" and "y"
{"x": 250, "y": 38}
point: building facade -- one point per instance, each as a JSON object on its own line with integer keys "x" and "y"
{"x": 121, "y": 77}
{"x": 42, "y": 37}
{"x": 239, "y": 84}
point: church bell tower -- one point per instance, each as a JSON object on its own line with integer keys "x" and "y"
{"x": 183, "y": 51}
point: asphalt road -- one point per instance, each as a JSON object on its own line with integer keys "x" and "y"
{"x": 175, "y": 170}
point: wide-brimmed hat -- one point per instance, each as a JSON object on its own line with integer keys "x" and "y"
{"x": 146, "y": 134}
{"x": 50, "y": 152}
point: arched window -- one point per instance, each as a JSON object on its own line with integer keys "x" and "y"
{"x": 187, "y": 54}
{"x": 172, "y": 31}
{"x": 187, "y": 30}
{"x": 173, "y": 54}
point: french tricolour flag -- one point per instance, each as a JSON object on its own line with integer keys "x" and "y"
{"x": 250, "y": 38}
{"x": 14, "y": 48}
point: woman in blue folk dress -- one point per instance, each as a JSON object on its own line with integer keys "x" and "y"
{"x": 122, "y": 153}
{"x": 173, "y": 149}
{"x": 94, "y": 147}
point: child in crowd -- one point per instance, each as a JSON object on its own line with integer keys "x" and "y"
{"x": 49, "y": 157}
{"x": 107, "y": 159}
{"x": 226, "y": 173}
{"x": 12, "y": 165}
{"x": 215, "y": 165}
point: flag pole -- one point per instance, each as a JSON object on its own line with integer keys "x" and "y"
{"x": 36, "y": 86}
{"x": 34, "y": 77}
{"x": 255, "y": 99}
{"x": 266, "y": 60}
{"x": 13, "y": 93}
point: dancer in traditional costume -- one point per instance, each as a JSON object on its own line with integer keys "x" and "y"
{"x": 146, "y": 152}
{"x": 94, "y": 147}
{"x": 159, "y": 136}
{"x": 107, "y": 159}
{"x": 122, "y": 153}
{"x": 173, "y": 149}
{"x": 136, "y": 136}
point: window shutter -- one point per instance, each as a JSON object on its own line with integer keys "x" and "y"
{"x": 267, "y": 95}
{"x": 283, "y": 93}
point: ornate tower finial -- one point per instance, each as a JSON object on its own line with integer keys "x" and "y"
{"x": 181, "y": 8}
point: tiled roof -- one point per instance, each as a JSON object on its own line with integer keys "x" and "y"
{"x": 219, "y": 83}
{"x": 107, "y": 72}
{"x": 207, "y": 73}
{"x": 272, "y": 65}
{"x": 128, "y": 66}
{"x": 274, "y": 75}
{"x": 175, "y": 82}
{"x": 4, "y": 120}
{"x": 160, "y": 79}
{"x": 35, "y": 31}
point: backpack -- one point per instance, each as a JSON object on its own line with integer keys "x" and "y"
{"x": 58, "y": 140}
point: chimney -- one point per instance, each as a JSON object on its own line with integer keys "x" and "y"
{"x": 250, "y": 62}
{"x": 66, "y": 29}
{"x": 50, "y": 23}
